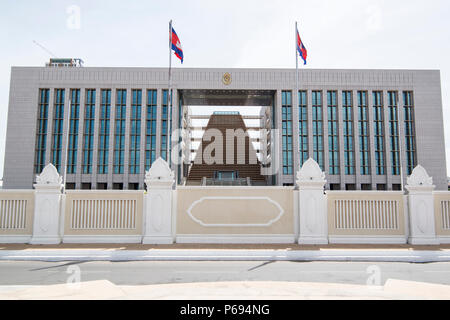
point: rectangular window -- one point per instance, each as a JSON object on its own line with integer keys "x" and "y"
{"x": 286, "y": 109}
{"x": 410, "y": 133}
{"x": 73, "y": 131}
{"x": 164, "y": 124}
{"x": 333, "y": 133}
{"x": 303, "y": 127}
{"x": 317, "y": 122}
{"x": 363, "y": 128}
{"x": 378, "y": 120}
{"x": 89, "y": 119}
{"x": 105, "y": 120}
{"x": 349, "y": 149}
{"x": 41, "y": 134}
{"x": 58, "y": 128}
{"x": 119, "y": 135}
{"x": 393, "y": 132}
{"x": 150, "y": 131}
{"x": 135, "y": 131}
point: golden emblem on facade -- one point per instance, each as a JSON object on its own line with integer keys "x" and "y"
{"x": 226, "y": 79}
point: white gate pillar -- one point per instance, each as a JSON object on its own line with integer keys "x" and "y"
{"x": 158, "y": 209}
{"x": 312, "y": 204}
{"x": 47, "y": 207}
{"x": 421, "y": 208}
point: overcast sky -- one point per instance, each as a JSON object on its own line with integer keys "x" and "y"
{"x": 229, "y": 33}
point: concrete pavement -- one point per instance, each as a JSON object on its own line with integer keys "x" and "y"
{"x": 105, "y": 290}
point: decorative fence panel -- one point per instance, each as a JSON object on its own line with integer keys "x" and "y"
{"x": 442, "y": 213}
{"x": 364, "y": 215}
{"x": 111, "y": 215}
{"x": 16, "y": 213}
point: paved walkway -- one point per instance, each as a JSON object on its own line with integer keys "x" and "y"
{"x": 105, "y": 290}
{"x": 177, "y": 252}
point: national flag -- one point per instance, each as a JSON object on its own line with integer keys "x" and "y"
{"x": 301, "y": 48}
{"x": 176, "y": 45}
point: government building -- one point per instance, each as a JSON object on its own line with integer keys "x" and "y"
{"x": 102, "y": 128}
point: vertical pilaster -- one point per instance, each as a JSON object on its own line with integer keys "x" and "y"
{"x": 143, "y": 138}
{"x": 51, "y": 111}
{"x": 96, "y": 137}
{"x": 126, "y": 162}
{"x": 295, "y": 133}
{"x": 278, "y": 155}
{"x": 340, "y": 114}
{"x": 80, "y": 138}
{"x": 370, "y": 117}
{"x": 356, "y": 145}
{"x": 387, "y": 139}
{"x": 112, "y": 128}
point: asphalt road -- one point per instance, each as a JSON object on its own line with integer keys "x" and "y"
{"x": 145, "y": 273}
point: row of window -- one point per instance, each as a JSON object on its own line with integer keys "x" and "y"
{"x": 355, "y": 125}
{"x": 88, "y": 135}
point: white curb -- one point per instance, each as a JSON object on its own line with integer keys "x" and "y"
{"x": 226, "y": 255}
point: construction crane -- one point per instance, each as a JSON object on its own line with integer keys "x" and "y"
{"x": 44, "y": 48}
{"x": 58, "y": 62}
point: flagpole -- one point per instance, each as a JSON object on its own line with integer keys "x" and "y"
{"x": 297, "y": 84}
{"x": 169, "y": 97}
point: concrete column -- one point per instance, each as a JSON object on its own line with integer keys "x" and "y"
{"x": 277, "y": 155}
{"x": 112, "y": 128}
{"x": 295, "y": 133}
{"x": 421, "y": 208}
{"x": 80, "y": 138}
{"x": 387, "y": 141}
{"x": 50, "y": 116}
{"x": 326, "y": 152}
{"x": 158, "y": 222}
{"x": 47, "y": 207}
{"x": 312, "y": 204}
{"x": 373, "y": 171}
{"x": 356, "y": 145}
{"x": 126, "y": 161}
{"x": 98, "y": 98}
{"x": 143, "y": 138}
{"x": 159, "y": 101}
{"x": 340, "y": 119}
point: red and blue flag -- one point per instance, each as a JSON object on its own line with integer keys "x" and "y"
{"x": 176, "y": 45}
{"x": 301, "y": 48}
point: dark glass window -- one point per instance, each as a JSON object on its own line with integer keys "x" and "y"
{"x": 363, "y": 131}
{"x": 73, "y": 131}
{"x": 105, "y": 123}
{"x": 41, "y": 134}
{"x": 333, "y": 133}
{"x": 317, "y": 122}
{"x": 119, "y": 134}
{"x": 58, "y": 128}
{"x": 164, "y": 124}
{"x": 410, "y": 133}
{"x": 347, "y": 117}
{"x": 286, "y": 97}
{"x": 135, "y": 132}
{"x": 394, "y": 132}
{"x": 150, "y": 131}
{"x": 303, "y": 127}
{"x": 378, "y": 120}
{"x": 89, "y": 120}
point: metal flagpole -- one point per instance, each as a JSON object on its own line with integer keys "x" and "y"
{"x": 296, "y": 85}
{"x": 169, "y": 97}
